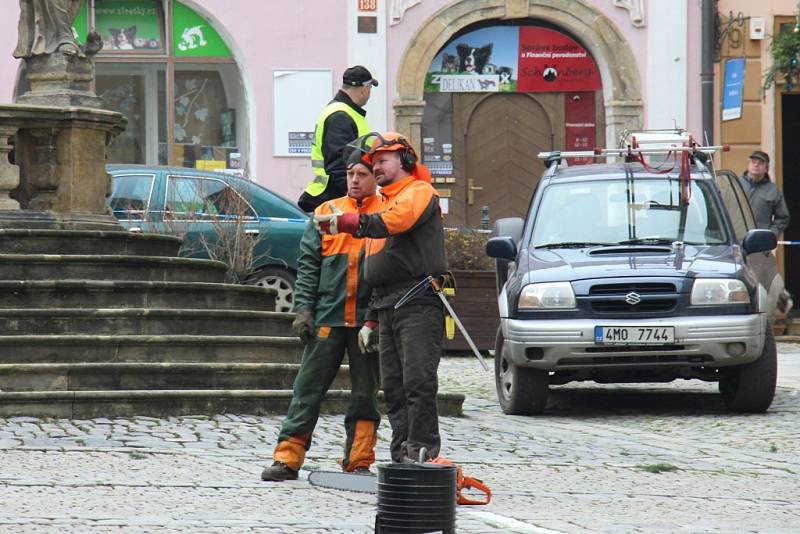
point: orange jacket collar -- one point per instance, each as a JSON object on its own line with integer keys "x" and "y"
{"x": 395, "y": 187}
{"x": 366, "y": 202}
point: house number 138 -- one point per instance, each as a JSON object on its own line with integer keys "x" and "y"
{"x": 367, "y": 5}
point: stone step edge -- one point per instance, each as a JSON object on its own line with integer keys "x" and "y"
{"x": 47, "y": 232}
{"x": 174, "y": 393}
{"x": 8, "y": 368}
{"x": 142, "y": 312}
{"x": 109, "y": 258}
{"x": 139, "y": 402}
{"x": 177, "y": 339}
{"x": 129, "y": 284}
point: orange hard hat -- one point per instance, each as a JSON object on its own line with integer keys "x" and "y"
{"x": 390, "y": 142}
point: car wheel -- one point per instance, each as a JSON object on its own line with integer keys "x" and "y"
{"x": 282, "y": 281}
{"x": 520, "y": 390}
{"x": 750, "y": 388}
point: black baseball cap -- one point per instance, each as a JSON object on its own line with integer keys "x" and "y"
{"x": 358, "y": 75}
{"x": 759, "y": 154}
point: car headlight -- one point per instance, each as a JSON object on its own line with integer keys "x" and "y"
{"x": 710, "y": 291}
{"x": 550, "y": 295}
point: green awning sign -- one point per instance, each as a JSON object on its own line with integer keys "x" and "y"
{"x": 80, "y": 25}
{"x": 193, "y": 36}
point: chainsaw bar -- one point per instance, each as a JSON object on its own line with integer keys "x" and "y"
{"x": 344, "y": 481}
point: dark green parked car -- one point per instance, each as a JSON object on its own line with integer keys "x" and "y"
{"x": 204, "y": 205}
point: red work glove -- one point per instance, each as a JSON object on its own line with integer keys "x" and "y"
{"x": 336, "y": 222}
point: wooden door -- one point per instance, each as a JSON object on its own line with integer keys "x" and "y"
{"x": 789, "y": 160}
{"x": 503, "y": 135}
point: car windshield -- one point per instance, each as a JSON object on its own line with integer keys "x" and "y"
{"x": 639, "y": 211}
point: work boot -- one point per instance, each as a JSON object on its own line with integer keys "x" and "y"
{"x": 278, "y": 472}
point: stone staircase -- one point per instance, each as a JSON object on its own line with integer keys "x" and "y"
{"x": 99, "y": 323}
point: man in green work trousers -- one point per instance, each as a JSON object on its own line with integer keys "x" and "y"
{"x": 331, "y": 300}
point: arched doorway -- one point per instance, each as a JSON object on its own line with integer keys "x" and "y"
{"x": 621, "y": 97}
{"x": 496, "y": 96}
{"x": 503, "y": 134}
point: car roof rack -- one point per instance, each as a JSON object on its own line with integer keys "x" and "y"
{"x": 635, "y": 144}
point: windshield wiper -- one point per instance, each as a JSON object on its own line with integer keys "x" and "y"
{"x": 648, "y": 241}
{"x": 571, "y": 244}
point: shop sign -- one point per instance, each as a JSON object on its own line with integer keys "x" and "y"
{"x": 734, "y": 89}
{"x": 580, "y": 128}
{"x": 81, "y": 24}
{"x": 193, "y": 36}
{"x": 526, "y": 59}
{"x": 300, "y": 142}
{"x": 128, "y": 25}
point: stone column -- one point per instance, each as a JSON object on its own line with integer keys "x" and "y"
{"x": 63, "y": 183}
{"x": 621, "y": 116}
{"x": 408, "y": 120}
{"x": 9, "y": 174}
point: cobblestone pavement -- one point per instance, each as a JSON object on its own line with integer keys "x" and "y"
{"x": 654, "y": 458}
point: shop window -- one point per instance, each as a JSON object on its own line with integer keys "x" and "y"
{"x": 190, "y": 87}
{"x": 205, "y": 118}
{"x": 137, "y": 91}
{"x": 437, "y": 135}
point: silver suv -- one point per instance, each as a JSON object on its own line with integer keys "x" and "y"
{"x": 623, "y": 274}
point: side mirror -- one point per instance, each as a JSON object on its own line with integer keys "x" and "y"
{"x": 509, "y": 227}
{"x": 501, "y": 248}
{"x": 757, "y": 241}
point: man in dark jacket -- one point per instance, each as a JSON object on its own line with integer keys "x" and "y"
{"x": 769, "y": 206}
{"x": 410, "y": 335}
{"x": 331, "y": 300}
{"x": 341, "y": 122}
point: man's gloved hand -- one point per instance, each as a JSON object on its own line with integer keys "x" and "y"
{"x": 303, "y": 326}
{"x": 368, "y": 337}
{"x": 336, "y": 221}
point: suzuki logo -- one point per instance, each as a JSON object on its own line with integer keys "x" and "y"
{"x": 633, "y": 298}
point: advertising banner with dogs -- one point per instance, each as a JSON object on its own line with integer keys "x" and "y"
{"x": 137, "y": 26}
{"x": 129, "y": 25}
{"x": 525, "y": 59}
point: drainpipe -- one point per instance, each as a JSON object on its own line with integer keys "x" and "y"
{"x": 708, "y": 15}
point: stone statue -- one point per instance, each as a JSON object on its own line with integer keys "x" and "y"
{"x": 45, "y": 27}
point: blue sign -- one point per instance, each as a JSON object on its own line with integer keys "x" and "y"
{"x": 733, "y": 90}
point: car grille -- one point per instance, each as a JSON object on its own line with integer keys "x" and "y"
{"x": 634, "y": 298}
{"x": 624, "y": 289}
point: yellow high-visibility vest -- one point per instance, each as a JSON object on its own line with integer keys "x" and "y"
{"x": 317, "y": 186}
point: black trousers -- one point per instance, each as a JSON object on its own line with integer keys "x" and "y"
{"x": 410, "y": 349}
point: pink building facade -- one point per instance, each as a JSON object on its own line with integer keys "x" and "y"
{"x": 238, "y": 84}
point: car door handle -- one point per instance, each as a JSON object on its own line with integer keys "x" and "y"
{"x": 251, "y": 231}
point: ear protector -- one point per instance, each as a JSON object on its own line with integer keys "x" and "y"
{"x": 408, "y": 157}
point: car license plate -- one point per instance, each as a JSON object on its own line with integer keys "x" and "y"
{"x": 634, "y": 335}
